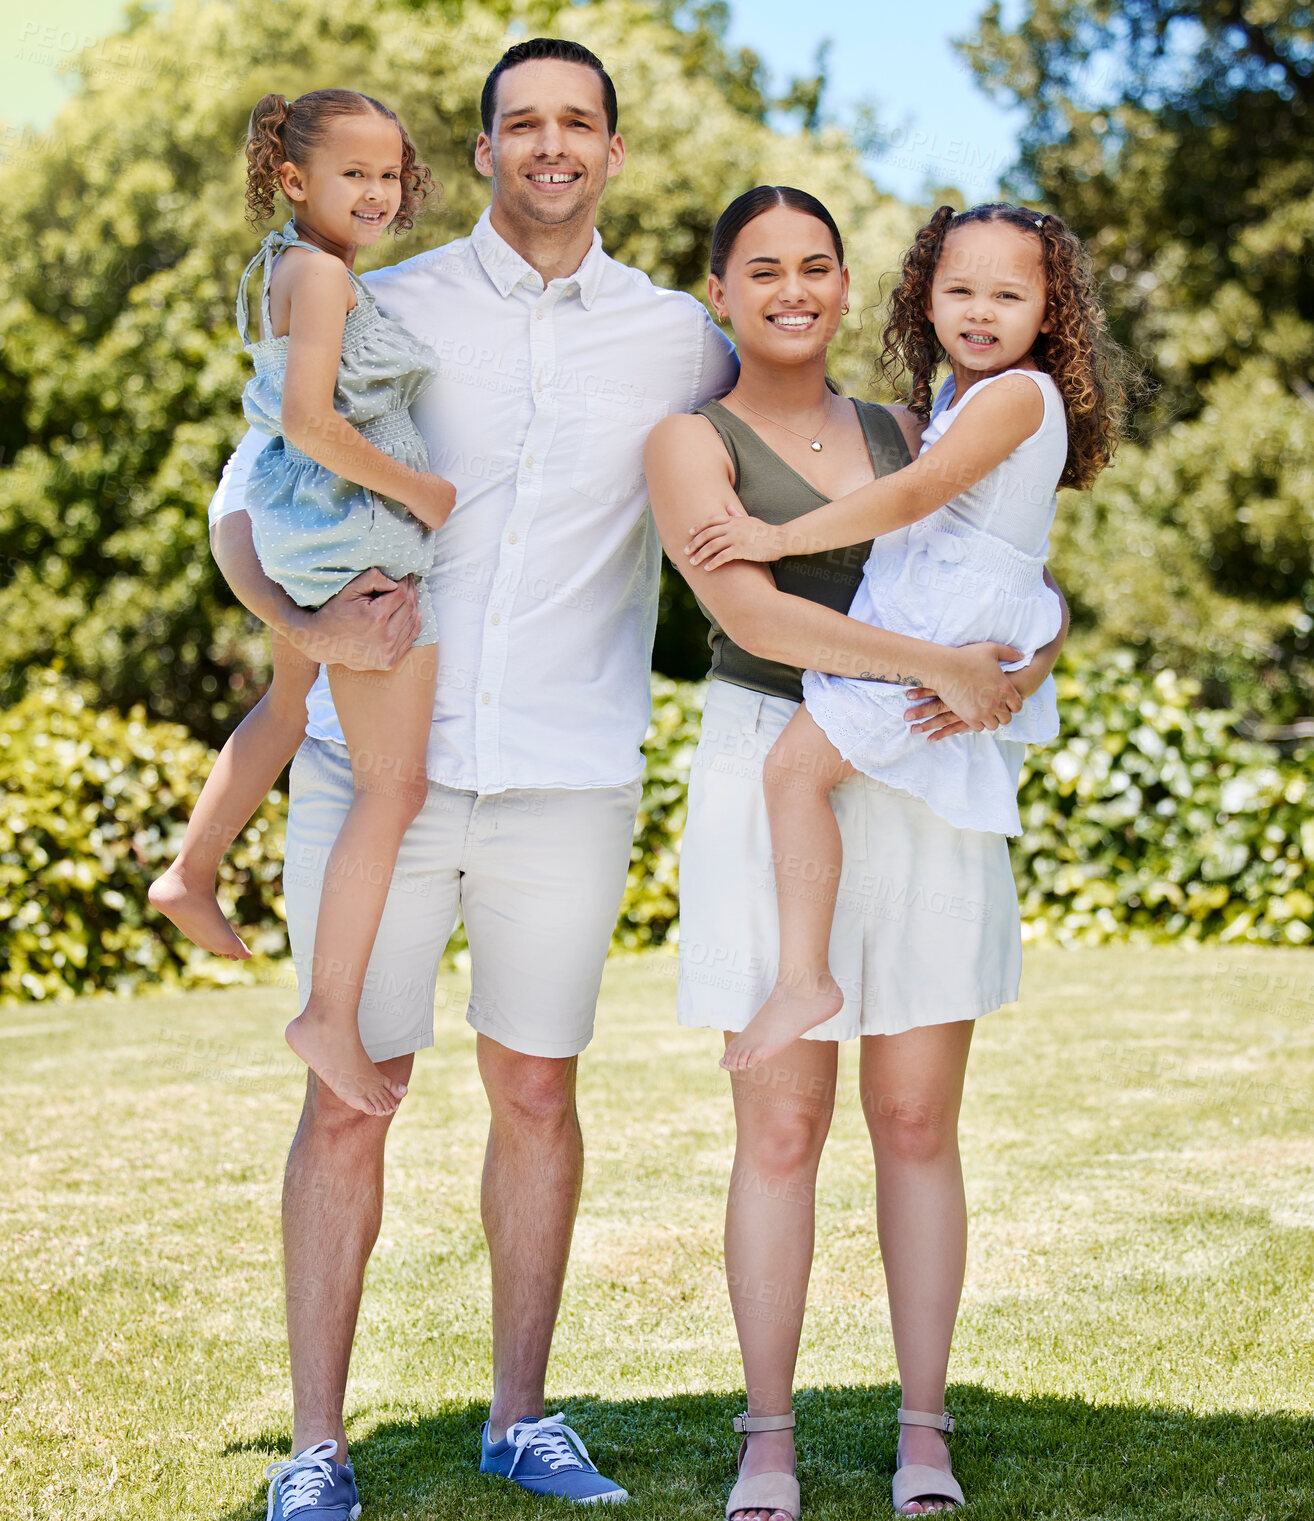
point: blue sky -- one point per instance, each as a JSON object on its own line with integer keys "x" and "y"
{"x": 945, "y": 132}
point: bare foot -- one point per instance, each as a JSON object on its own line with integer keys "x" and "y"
{"x": 792, "y": 1007}
{"x": 338, "y": 1059}
{"x": 197, "y": 914}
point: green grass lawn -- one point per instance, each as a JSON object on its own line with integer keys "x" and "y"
{"x": 1137, "y": 1333}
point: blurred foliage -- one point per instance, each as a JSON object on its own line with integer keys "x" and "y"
{"x": 1175, "y": 138}
{"x": 92, "y": 808}
{"x": 1148, "y": 821}
{"x": 650, "y": 908}
{"x": 120, "y": 365}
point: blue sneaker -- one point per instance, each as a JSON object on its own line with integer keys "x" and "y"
{"x": 312, "y": 1484}
{"x": 547, "y": 1458}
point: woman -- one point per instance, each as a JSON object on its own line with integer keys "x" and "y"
{"x": 926, "y": 933}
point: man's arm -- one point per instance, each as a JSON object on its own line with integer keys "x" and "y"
{"x": 689, "y": 476}
{"x": 719, "y": 368}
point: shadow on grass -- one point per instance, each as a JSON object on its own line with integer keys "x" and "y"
{"x": 1036, "y": 1458}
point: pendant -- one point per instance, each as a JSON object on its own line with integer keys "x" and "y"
{"x": 816, "y": 446}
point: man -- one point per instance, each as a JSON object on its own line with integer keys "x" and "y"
{"x": 556, "y": 362}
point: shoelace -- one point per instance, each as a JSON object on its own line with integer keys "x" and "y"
{"x": 549, "y": 1439}
{"x": 302, "y": 1478}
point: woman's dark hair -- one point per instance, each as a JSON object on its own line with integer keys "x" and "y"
{"x": 745, "y": 208}
{"x": 283, "y": 130}
{"x": 1085, "y": 363}
{"x": 546, "y": 47}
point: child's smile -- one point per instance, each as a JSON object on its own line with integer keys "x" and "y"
{"x": 988, "y": 300}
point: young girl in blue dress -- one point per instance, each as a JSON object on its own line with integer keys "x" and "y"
{"x": 343, "y": 486}
{"x": 961, "y": 537}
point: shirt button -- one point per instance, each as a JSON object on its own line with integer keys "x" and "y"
{"x": 486, "y": 697}
{"x": 538, "y": 316}
{"x": 529, "y": 461}
{"x": 496, "y": 619}
{"x": 538, "y": 385}
{"x": 512, "y": 538}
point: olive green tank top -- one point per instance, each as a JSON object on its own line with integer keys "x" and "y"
{"x": 774, "y": 491}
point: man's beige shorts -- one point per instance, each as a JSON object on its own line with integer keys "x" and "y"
{"x": 536, "y": 875}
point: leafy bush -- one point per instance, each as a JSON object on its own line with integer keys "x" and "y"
{"x": 92, "y": 808}
{"x": 1148, "y": 820}
{"x": 650, "y": 908}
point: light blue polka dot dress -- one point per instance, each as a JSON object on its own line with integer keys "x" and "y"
{"x": 313, "y": 530}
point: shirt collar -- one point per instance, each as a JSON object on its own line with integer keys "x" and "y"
{"x": 506, "y": 269}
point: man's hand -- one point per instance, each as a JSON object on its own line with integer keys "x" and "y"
{"x": 368, "y": 626}
{"x": 972, "y": 694}
{"x": 738, "y": 537}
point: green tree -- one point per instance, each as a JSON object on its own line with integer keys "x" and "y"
{"x": 1175, "y": 138}
{"x": 120, "y": 366}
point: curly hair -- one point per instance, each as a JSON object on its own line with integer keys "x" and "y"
{"x": 1085, "y": 363}
{"x": 283, "y": 130}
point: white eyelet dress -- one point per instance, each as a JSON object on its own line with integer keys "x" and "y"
{"x": 971, "y": 571}
{"x": 313, "y": 530}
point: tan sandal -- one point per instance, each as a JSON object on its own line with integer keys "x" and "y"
{"x": 763, "y": 1491}
{"x": 919, "y": 1481}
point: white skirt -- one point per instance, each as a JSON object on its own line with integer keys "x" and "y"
{"x": 926, "y": 928}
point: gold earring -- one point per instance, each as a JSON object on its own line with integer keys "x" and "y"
{"x": 844, "y": 311}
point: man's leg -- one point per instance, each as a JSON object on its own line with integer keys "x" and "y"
{"x": 332, "y": 1205}
{"x": 333, "y": 1186}
{"x": 531, "y": 1184}
{"x": 541, "y": 885}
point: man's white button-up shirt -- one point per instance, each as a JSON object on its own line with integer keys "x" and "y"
{"x": 545, "y": 576}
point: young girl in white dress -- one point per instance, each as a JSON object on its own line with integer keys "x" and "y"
{"x": 961, "y": 536}
{"x": 342, "y": 487}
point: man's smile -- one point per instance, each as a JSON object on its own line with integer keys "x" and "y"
{"x": 554, "y": 179}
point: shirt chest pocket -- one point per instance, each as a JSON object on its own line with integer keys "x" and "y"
{"x": 609, "y": 465}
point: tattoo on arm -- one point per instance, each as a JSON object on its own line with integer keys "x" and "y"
{"x": 897, "y": 680}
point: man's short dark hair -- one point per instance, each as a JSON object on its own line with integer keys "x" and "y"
{"x": 547, "y": 47}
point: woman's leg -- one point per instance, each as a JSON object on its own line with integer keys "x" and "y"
{"x": 248, "y": 766}
{"x": 782, "y": 1115}
{"x": 800, "y": 771}
{"x": 385, "y": 717}
{"x": 912, "y": 1086}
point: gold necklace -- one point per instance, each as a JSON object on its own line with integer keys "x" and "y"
{"x": 812, "y": 440}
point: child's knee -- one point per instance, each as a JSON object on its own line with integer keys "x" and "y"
{"x": 393, "y": 786}
{"x": 791, "y": 767}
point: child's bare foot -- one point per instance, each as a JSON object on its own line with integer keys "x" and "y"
{"x": 197, "y": 914}
{"x": 338, "y": 1059}
{"x": 793, "y": 1007}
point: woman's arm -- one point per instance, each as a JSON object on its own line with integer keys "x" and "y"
{"x": 993, "y": 423}
{"x": 368, "y": 626}
{"x": 689, "y": 477}
{"x": 320, "y": 292}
